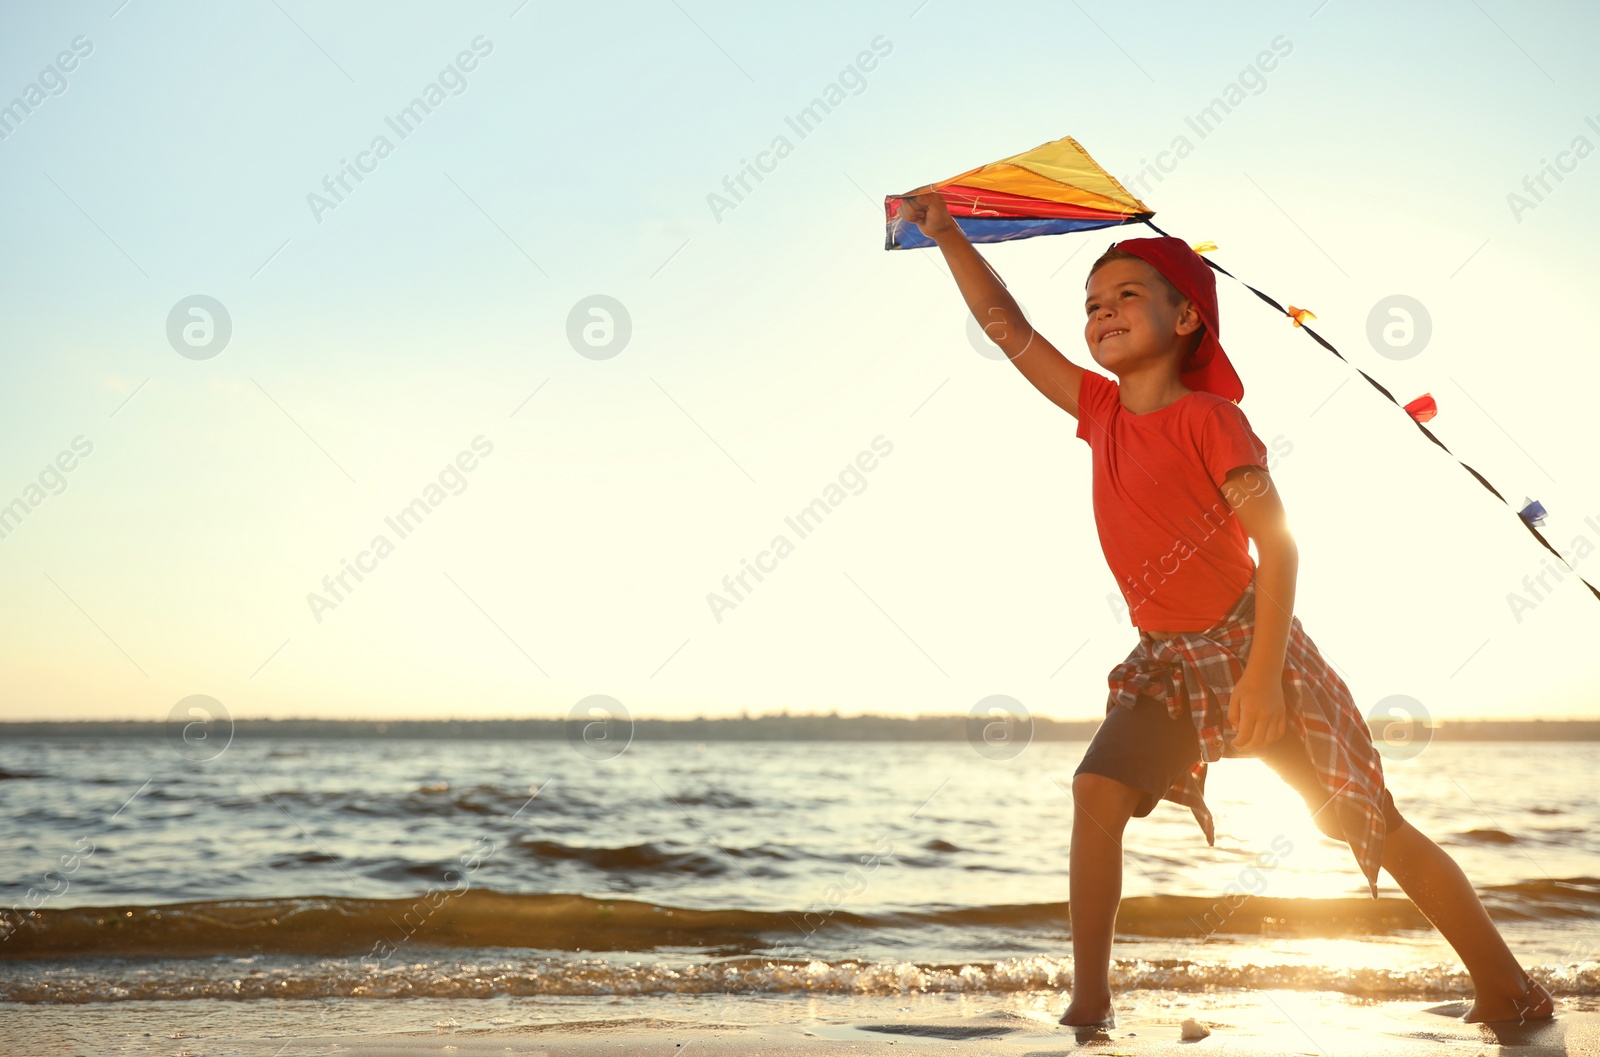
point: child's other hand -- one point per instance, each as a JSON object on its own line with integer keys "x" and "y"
{"x": 928, "y": 212}
{"x": 1257, "y": 712}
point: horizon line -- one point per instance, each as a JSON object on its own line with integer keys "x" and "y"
{"x": 740, "y": 717}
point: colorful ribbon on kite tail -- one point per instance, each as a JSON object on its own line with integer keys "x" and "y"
{"x": 1426, "y": 432}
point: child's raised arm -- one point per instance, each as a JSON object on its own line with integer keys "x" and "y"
{"x": 993, "y": 306}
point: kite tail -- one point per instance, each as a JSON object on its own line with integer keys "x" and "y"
{"x": 1320, "y": 340}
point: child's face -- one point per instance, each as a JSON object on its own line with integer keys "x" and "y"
{"x": 1131, "y": 297}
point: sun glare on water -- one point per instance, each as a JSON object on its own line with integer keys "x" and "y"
{"x": 1257, "y": 812}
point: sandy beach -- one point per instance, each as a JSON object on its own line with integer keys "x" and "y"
{"x": 1275, "y": 1023}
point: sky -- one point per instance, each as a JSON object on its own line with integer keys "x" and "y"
{"x": 252, "y": 370}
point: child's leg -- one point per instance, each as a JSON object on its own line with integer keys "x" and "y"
{"x": 1133, "y": 760}
{"x": 1101, "y": 809}
{"x": 1439, "y": 888}
{"x": 1436, "y": 884}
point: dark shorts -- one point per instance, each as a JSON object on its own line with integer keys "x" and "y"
{"x": 1144, "y": 747}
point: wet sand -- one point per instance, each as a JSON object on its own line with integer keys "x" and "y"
{"x": 1275, "y": 1023}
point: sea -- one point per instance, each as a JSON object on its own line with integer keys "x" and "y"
{"x": 566, "y": 880}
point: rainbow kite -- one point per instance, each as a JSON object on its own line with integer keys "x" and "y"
{"x": 1055, "y": 188}
{"x": 1051, "y": 189}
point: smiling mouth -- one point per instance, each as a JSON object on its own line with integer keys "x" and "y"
{"x": 1113, "y": 334}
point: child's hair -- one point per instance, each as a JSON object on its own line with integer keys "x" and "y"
{"x": 1174, "y": 296}
{"x": 1115, "y": 254}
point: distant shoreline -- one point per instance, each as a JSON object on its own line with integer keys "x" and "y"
{"x": 736, "y": 728}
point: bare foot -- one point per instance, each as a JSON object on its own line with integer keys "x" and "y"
{"x": 1086, "y": 1014}
{"x": 1534, "y": 1003}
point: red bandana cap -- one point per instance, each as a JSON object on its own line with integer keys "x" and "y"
{"x": 1208, "y": 368}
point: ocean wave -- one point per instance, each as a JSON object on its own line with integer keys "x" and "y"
{"x": 646, "y": 858}
{"x": 338, "y": 982}
{"x": 480, "y": 918}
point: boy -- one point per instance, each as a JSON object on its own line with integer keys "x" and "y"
{"x": 1222, "y": 667}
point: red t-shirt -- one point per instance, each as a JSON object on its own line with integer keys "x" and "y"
{"x": 1171, "y": 539}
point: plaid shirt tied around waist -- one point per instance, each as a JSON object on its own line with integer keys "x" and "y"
{"x": 1195, "y": 673}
